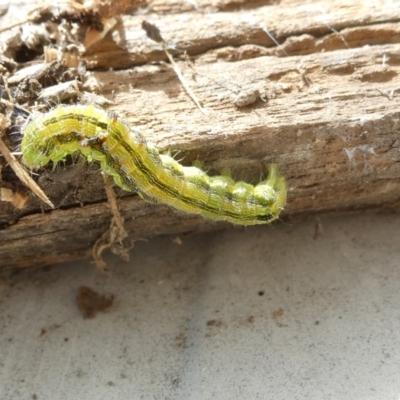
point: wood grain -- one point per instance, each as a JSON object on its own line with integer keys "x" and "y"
{"x": 327, "y": 112}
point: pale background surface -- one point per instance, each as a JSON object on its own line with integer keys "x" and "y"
{"x": 189, "y": 321}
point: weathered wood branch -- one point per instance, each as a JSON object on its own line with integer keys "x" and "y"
{"x": 329, "y": 119}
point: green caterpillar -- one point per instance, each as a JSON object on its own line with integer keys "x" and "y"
{"x": 137, "y": 166}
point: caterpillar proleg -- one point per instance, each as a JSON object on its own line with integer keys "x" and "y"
{"x": 137, "y": 166}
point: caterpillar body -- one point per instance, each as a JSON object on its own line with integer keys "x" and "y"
{"x": 137, "y": 165}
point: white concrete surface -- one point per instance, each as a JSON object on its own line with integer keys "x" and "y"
{"x": 189, "y": 321}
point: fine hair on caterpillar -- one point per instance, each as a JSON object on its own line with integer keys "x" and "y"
{"x": 137, "y": 166}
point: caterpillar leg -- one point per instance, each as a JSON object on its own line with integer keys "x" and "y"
{"x": 147, "y": 198}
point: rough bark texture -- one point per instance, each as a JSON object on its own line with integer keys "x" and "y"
{"x": 324, "y": 106}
